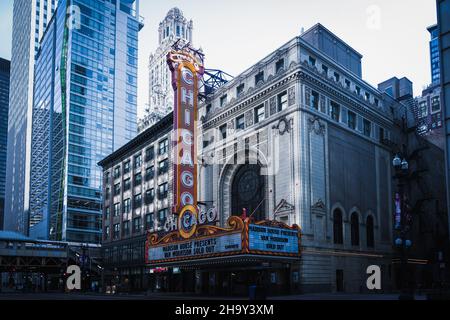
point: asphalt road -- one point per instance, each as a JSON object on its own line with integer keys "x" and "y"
{"x": 164, "y": 296}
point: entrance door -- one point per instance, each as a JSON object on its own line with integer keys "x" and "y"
{"x": 248, "y": 191}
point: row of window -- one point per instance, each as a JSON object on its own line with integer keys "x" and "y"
{"x": 347, "y": 83}
{"x": 137, "y": 163}
{"x": 149, "y": 197}
{"x": 338, "y": 229}
{"x": 423, "y": 107}
{"x": 334, "y": 112}
{"x": 163, "y": 168}
{"x": 137, "y": 225}
{"x": 259, "y": 77}
{"x": 259, "y": 114}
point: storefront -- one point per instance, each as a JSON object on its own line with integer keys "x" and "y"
{"x": 226, "y": 261}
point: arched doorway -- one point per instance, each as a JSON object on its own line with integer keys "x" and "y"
{"x": 248, "y": 191}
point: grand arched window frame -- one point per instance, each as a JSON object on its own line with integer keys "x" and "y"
{"x": 338, "y": 226}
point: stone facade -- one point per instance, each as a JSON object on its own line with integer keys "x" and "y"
{"x": 318, "y": 141}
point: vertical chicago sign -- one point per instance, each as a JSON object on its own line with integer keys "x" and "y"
{"x": 187, "y": 69}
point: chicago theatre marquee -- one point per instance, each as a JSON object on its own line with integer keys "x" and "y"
{"x": 214, "y": 255}
{"x": 280, "y": 177}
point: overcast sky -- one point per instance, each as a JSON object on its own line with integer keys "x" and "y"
{"x": 235, "y": 34}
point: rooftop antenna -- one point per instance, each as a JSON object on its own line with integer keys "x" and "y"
{"x": 302, "y": 30}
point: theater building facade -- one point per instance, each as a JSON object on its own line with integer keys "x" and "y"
{"x": 293, "y": 183}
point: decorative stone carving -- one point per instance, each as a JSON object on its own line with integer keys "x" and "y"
{"x": 291, "y": 96}
{"x": 319, "y": 205}
{"x": 273, "y": 105}
{"x": 283, "y": 126}
{"x": 307, "y": 96}
{"x": 230, "y": 124}
{"x": 249, "y": 118}
{"x": 316, "y": 126}
{"x": 322, "y": 103}
{"x": 283, "y": 207}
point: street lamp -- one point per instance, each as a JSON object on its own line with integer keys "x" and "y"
{"x": 403, "y": 221}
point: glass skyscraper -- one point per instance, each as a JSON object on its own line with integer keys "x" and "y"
{"x": 4, "y": 106}
{"x": 30, "y": 19}
{"x": 434, "y": 55}
{"x": 84, "y": 108}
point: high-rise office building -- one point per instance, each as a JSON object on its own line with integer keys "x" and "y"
{"x": 84, "y": 109}
{"x": 443, "y": 15}
{"x": 434, "y": 54}
{"x": 30, "y": 19}
{"x": 4, "y": 106}
{"x": 175, "y": 27}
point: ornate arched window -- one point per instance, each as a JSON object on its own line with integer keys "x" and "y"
{"x": 370, "y": 232}
{"x": 338, "y": 231}
{"x": 248, "y": 191}
{"x": 354, "y": 220}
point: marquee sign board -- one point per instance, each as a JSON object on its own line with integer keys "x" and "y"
{"x": 187, "y": 69}
{"x": 239, "y": 237}
{"x": 262, "y": 238}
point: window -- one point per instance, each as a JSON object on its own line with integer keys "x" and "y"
{"x": 279, "y": 65}
{"x": 208, "y": 108}
{"x": 314, "y": 100}
{"x": 163, "y": 147}
{"x": 223, "y": 100}
{"x": 162, "y": 216}
{"x": 137, "y": 225}
{"x": 116, "y": 172}
{"x": 377, "y": 102}
{"x": 381, "y": 134}
{"x": 259, "y": 113}
{"x": 354, "y": 229}
{"x": 358, "y": 90}
{"x": 347, "y": 83}
{"x": 126, "y": 167}
{"x": 126, "y": 206}
{"x": 162, "y": 191}
{"x": 137, "y": 201}
{"x": 149, "y": 173}
{"x": 116, "y": 209}
{"x": 107, "y": 177}
{"x": 163, "y": 167}
{"x": 435, "y": 104}
{"x": 312, "y": 61}
{"x": 282, "y": 101}
{"x": 106, "y": 233}
{"x": 149, "y": 221}
{"x": 116, "y": 231}
{"x": 367, "y": 96}
{"x": 335, "y": 111}
{"x": 223, "y": 131}
{"x": 423, "y": 109}
{"x": 240, "y": 89}
{"x": 240, "y": 123}
{"x": 259, "y": 77}
{"x": 149, "y": 154}
{"x": 137, "y": 179}
{"x": 149, "y": 196}
{"x": 117, "y": 189}
{"x": 137, "y": 161}
{"x": 107, "y": 213}
{"x": 126, "y": 184}
{"x": 126, "y": 228}
{"x": 351, "y": 119}
{"x": 107, "y": 193}
{"x": 325, "y": 69}
{"x": 338, "y": 231}
{"x": 367, "y": 128}
{"x": 370, "y": 232}
{"x": 337, "y": 77}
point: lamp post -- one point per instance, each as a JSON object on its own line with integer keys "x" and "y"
{"x": 403, "y": 220}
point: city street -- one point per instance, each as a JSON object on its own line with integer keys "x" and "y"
{"x": 169, "y": 296}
